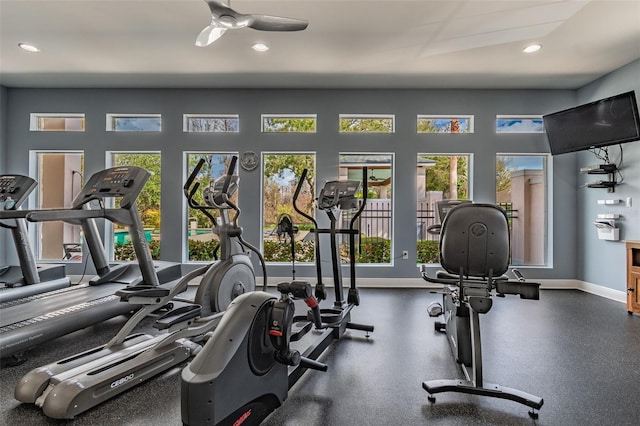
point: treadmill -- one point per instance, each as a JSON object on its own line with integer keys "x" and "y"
{"x": 27, "y": 322}
{"x": 28, "y": 278}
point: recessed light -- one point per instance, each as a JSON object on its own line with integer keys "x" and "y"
{"x": 532, "y": 48}
{"x": 28, "y": 47}
{"x": 260, "y": 47}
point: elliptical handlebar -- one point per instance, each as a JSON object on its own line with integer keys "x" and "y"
{"x": 365, "y": 190}
{"x": 296, "y": 194}
{"x": 191, "y": 178}
{"x": 230, "y": 170}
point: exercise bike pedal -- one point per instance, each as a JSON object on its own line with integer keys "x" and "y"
{"x": 431, "y": 399}
{"x": 533, "y": 414}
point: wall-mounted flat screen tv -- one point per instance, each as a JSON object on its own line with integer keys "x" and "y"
{"x": 609, "y": 121}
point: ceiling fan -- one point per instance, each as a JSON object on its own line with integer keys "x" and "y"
{"x": 224, "y": 18}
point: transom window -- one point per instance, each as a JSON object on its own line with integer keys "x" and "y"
{"x": 445, "y": 124}
{"x": 134, "y": 122}
{"x": 289, "y": 123}
{"x": 519, "y": 124}
{"x": 210, "y": 123}
{"x": 367, "y": 123}
{"x": 56, "y": 122}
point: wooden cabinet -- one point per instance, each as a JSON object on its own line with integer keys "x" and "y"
{"x": 633, "y": 277}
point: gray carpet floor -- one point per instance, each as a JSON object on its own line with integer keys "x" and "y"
{"x": 580, "y": 352}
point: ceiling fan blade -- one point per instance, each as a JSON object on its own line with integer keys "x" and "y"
{"x": 276, "y": 23}
{"x": 209, "y": 35}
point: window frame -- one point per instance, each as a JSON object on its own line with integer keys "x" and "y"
{"x": 35, "y": 121}
{"x": 111, "y": 126}
{"x": 392, "y": 117}
{"x": 264, "y": 117}
{"x": 470, "y": 117}
{"x": 519, "y": 117}
{"x": 186, "y": 207}
{"x": 34, "y": 202}
{"x": 392, "y": 203}
{"x": 548, "y": 209}
{"x": 186, "y": 117}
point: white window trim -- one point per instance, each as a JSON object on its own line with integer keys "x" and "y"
{"x": 186, "y": 117}
{"x": 289, "y": 116}
{"x": 34, "y": 119}
{"x": 470, "y": 117}
{"x": 111, "y": 116}
{"x": 368, "y": 117}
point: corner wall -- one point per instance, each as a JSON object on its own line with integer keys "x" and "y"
{"x": 603, "y": 262}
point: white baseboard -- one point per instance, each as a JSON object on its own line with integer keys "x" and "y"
{"x": 547, "y": 284}
{"x": 617, "y": 295}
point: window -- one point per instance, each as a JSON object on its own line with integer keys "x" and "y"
{"x": 519, "y": 124}
{"x": 440, "y": 177}
{"x": 521, "y": 189}
{"x": 148, "y": 203}
{"x": 201, "y": 241}
{"x": 281, "y": 173}
{"x": 367, "y": 123}
{"x": 207, "y": 123}
{"x": 298, "y": 123}
{"x": 134, "y": 122}
{"x": 445, "y": 124}
{"x": 375, "y": 223}
{"x": 56, "y": 122}
{"x": 60, "y": 179}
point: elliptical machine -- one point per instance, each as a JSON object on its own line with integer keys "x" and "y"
{"x": 68, "y": 387}
{"x": 248, "y": 365}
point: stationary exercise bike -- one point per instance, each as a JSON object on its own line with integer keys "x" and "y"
{"x": 73, "y": 385}
{"x": 475, "y": 251}
{"x": 260, "y": 349}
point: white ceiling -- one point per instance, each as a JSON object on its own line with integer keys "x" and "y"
{"x": 348, "y": 44}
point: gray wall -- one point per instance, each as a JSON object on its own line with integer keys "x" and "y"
{"x": 3, "y": 153}
{"x": 604, "y": 262}
{"x": 326, "y": 143}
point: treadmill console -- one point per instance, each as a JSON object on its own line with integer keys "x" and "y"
{"x": 14, "y": 190}
{"x": 341, "y": 194}
{"x": 122, "y": 181}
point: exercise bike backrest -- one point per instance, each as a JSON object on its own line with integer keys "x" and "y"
{"x": 474, "y": 241}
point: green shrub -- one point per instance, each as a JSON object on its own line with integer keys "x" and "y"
{"x": 124, "y": 252}
{"x": 202, "y": 250}
{"x": 373, "y": 250}
{"x": 280, "y": 251}
{"x": 428, "y": 252}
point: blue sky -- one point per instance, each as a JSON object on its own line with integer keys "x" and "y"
{"x": 519, "y": 125}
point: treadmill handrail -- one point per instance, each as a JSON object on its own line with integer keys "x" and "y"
{"x": 78, "y": 215}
